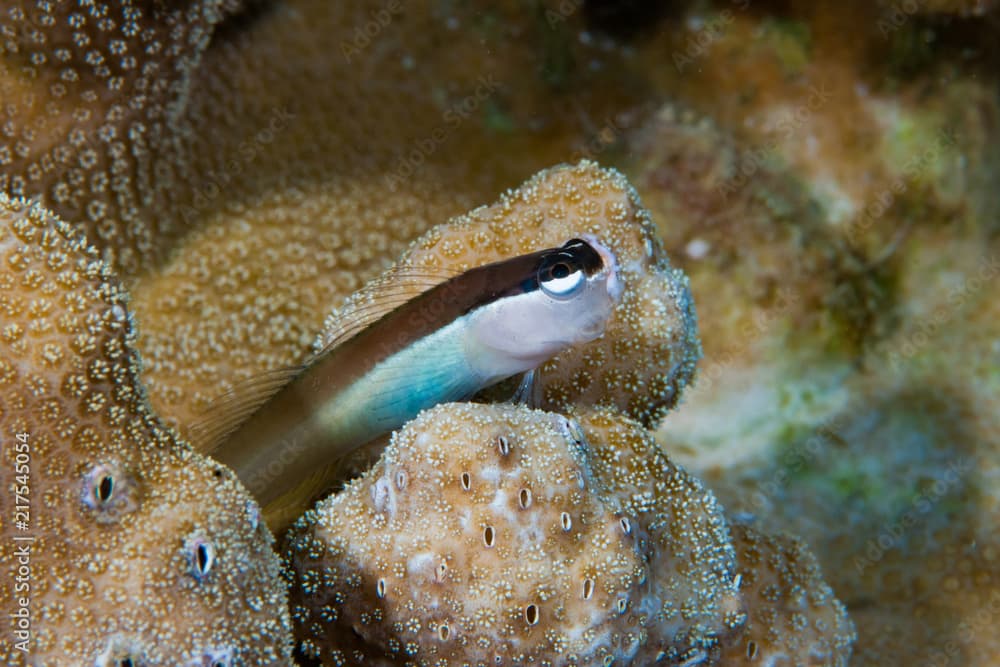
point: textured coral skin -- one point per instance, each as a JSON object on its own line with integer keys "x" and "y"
{"x": 693, "y": 592}
{"x": 92, "y": 99}
{"x": 208, "y": 336}
{"x": 495, "y": 534}
{"x": 143, "y": 549}
{"x": 793, "y": 616}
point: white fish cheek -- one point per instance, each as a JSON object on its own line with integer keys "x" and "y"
{"x": 589, "y": 315}
{"x": 505, "y": 338}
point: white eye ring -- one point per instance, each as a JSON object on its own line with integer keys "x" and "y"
{"x": 563, "y": 286}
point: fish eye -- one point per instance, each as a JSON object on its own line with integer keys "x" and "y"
{"x": 561, "y": 270}
{"x": 561, "y": 279}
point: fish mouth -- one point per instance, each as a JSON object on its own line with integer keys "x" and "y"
{"x": 611, "y": 270}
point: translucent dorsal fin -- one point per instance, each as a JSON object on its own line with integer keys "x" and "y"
{"x": 391, "y": 290}
{"x": 227, "y": 411}
{"x": 394, "y": 288}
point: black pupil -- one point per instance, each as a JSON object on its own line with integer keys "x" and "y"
{"x": 560, "y": 270}
{"x": 104, "y": 488}
{"x": 202, "y": 557}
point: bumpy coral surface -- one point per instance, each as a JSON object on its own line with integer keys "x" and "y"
{"x": 793, "y": 617}
{"x": 691, "y": 595}
{"x": 494, "y": 534}
{"x": 91, "y": 124}
{"x": 654, "y": 320}
{"x": 860, "y": 322}
{"x": 121, "y": 544}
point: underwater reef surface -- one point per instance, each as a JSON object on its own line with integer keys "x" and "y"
{"x": 825, "y": 176}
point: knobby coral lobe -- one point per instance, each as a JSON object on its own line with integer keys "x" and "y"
{"x": 141, "y": 550}
{"x": 93, "y": 122}
{"x": 496, "y": 534}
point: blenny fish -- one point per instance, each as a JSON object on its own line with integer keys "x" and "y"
{"x": 458, "y": 337}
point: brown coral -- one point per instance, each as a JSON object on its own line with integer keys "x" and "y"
{"x": 141, "y": 551}
{"x": 691, "y": 584}
{"x": 793, "y": 617}
{"x": 501, "y": 535}
{"x": 91, "y": 119}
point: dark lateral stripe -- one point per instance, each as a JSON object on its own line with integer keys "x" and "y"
{"x": 421, "y": 317}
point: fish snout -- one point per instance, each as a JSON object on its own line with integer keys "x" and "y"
{"x": 611, "y": 272}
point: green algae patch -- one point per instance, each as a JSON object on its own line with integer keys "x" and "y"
{"x": 790, "y": 41}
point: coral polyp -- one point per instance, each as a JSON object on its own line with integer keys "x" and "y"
{"x": 125, "y": 545}
{"x": 219, "y": 176}
{"x": 452, "y": 549}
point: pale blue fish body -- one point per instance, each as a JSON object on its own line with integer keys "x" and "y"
{"x": 489, "y": 323}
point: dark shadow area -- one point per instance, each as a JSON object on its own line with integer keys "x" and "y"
{"x": 627, "y": 19}
{"x": 243, "y": 18}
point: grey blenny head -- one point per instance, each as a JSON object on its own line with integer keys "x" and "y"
{"x": 565, "y": 298}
